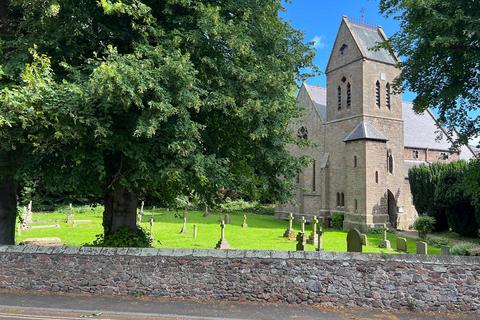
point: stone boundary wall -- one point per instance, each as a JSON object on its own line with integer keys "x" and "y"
{"x": 433, "y": 283}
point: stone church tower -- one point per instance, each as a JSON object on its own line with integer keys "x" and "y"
{"x": 365, "y": 138}
{"x": 364, "y": 128}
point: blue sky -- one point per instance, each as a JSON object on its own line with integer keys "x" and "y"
{"x": 319, "y": 21}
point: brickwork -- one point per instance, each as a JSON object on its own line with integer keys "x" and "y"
{"x": 325, "y": 278}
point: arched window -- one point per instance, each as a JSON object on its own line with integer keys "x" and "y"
{"x": 339, "y": 97}
{"x": 343, "y": 200}
{"x": 390, "y": 163}
{"x": 387, "y": 96}
{"x": 302, "y": 133}
{"x": 376, "y": 176}
{"x": 355, "y": 161}
{"x": 356, "y": 205}
{"x": 338, "y": 199}
{"x": 377, "y": 93}
{"x": 349, "y": 95}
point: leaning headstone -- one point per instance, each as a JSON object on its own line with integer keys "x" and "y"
{"x": 301, "y": 241}
{"x": 70, "y": 214}
{"x": 445, "y": 250}
{"x": 28, "y": 216}
{"x": 244, "y": 224}
{"x": 227, "y": 218}
{"x": 289, "y": 233}
{"x": 140, "y": 213}
{"x": 222, "y": 243}
{"x": 194, "y": 231}
{"x": 184, "y": 225}
{"x": 384, "y": 243}
{"x": 320, "y": 238}
{"x": 402, "y": 244}
{"x": 364, "y": 239}
{"x": 313, "y": 239}
{"x": 422, "y": 247}
{"x": 354, "y": 241}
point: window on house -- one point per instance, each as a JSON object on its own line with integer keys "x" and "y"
{"x": 343, "y": 48}
{"x": 443, "y": 156}
{"x": 298, "y": 178}
{"x": 390, "y": 163}
{"x": 377, "y": 94}
{"x": 339, "y": 97}
{"x": 387, "y": 96}
{"x": 415, "y": 154}
{"x": 338, "y": 199}
{"x": 356, "y": 205}
{"x": 314, "y": 187}
{"x": 376, "y": 176}
{"x": 343, "y": 200}
{"x": 349, "y": 95}
{"x": 355, "y": 161}
{"x": 302, "y": 133}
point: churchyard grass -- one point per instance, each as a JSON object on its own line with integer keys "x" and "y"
{"x": 264, "y": 232}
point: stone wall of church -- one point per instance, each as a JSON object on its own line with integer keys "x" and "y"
{"x": 384, "y": 281}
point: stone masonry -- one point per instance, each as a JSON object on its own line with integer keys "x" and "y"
{"x": 321, "y": 278}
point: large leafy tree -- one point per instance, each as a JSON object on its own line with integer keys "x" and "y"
{"x": 118, "y": 99}
{"x": 440, "y": 43}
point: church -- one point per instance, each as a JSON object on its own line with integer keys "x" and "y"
{"x": 364, "y": 138}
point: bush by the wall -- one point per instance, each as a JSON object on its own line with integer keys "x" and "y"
{"x": 461, "y": 249}
{"x": 424, "y": 225}
{"x": 124, "y": 238}
{"x": 337, "y": 220}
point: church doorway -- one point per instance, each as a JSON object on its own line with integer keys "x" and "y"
{"x": 392, "y": 209}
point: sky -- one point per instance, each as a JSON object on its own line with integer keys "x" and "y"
{"x": 319, "y": 20}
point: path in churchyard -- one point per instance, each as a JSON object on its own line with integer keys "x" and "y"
{"x": 34, "y": 306}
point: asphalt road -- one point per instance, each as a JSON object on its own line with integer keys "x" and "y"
{"x": 34, "y": 306}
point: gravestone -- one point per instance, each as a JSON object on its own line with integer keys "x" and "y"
{"x": 140, "y": 213}
{"x": 222, "y": 243}
{"x": 194, "y": 231}
{"x": 46, "y": 242}
{"x": 445, "y": 250}
{"x": 302, "y": 221}
{"x": 151, "y": 227}
{"x": 244, "y": 225}
{"x": 422, "y": 247}
{"x": 313, "y": 239}
{"x": 289, "y": 233}
{"x": 51, "y": 226}
{"x": 354, "y": 241}
{"x": 30, "y": 213}
{"x": 402, "y": 244}
{"x": 320, "y": 238}
{"x": 384, "y": 243}
{"x": 184, "y": 225}
{"x": 301, "y": 241}
{"x": 70, "y": 214}
{"x": 364, "y": 239}
{"x": 227, "y": 218}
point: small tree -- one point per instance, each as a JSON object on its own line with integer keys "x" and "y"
{"x": 424, "y": 225}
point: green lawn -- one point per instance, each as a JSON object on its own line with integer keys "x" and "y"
{"x": 263, "y": 233}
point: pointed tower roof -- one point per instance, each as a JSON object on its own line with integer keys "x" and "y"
{"x": 365, "y": 131}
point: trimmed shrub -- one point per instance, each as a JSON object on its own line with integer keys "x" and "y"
{"x": 424, "y": 225}
{"x": 337, "y": 220}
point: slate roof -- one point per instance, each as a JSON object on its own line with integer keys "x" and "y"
{"x": 319, "y": 99}
{"x": 419, "y": 130}
{"x": 367, "y": 38}
{"x": 365, "y": 131}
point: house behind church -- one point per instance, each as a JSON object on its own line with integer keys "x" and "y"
{"x": 366, "y": 139}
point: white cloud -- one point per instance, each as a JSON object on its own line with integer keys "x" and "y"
{"x": 318, "y": 42}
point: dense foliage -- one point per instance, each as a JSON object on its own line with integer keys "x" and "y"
{"x": 337, "y": 220}
{"x": 440, "y": 41}
{"x": 117, "y": 100}
{"x": 124, "y": 238}
{"x": 424, "y": 225}
{"x": 451, "y": 192}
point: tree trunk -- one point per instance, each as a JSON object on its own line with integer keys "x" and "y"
{"x": 8, "y": 210}
{"x": 120, "y": 210}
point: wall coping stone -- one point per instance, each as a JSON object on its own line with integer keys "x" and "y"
{"x": 240, "y": 254}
